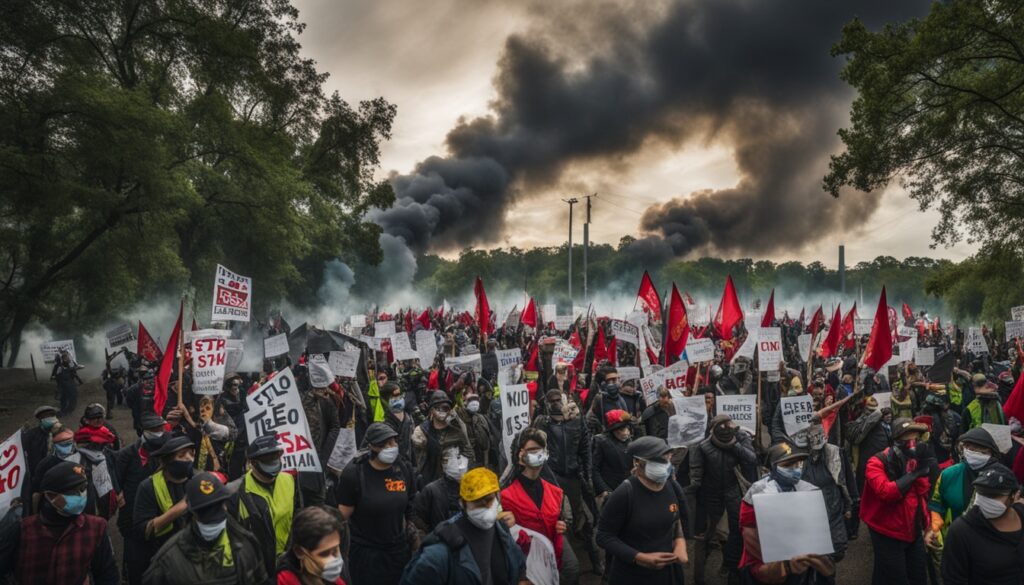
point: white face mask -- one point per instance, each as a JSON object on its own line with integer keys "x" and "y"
{"x": 536, "y": 459}
{"x": 483, "y": 518}
{"x": 388, "y": 455}
{"x": 975, "y": 459}
{"x": 990, "y": 508}
{"x": 211, "y": 531}
{"x": 332, "y": 569}
{"x": 455, "y": 467}
{"x": 473, "y": 406}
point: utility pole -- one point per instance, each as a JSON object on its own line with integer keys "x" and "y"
{"x": 571, "y": 202}
{"x": 586, "y": 244}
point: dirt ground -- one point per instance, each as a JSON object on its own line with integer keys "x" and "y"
{"x": 20, "y": 395}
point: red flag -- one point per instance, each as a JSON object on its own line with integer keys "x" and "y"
{"x": 678, "y": 328}
{"x": 147, "y": 347}
{"x": 801, "y": 319}
{"x": 769, "y": 311}
{"x": 879, "y": 349}
{"x": 531, "y": 364}
{"x": 482, "y": 314}
{"x": 907, "y": 313}
{"x": 613, "y": 352}
{"x": 600, "y": 346}
{"x": 529, "y": 316}
{"x": 830, "y": 346}
{"x": 1015, "y": 403}
{"x": 408, "y": 320}
{"x": 194, "y": 326}
{"x": 648, "y": 295}
{"x": 574, "y": 340}
{"x": 847, "y": 341}
{"x": 816, "y": 320}
{"x": 424, "y": 318}
{"x": 163, "y": 375}
{"x": 729, "y": 311}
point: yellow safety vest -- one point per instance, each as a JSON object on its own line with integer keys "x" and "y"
{"x": 375, "y": 402}
{"x": 163, "y": 500}
{"x": 224, "y": 543}
{"x": 281, "y": 503}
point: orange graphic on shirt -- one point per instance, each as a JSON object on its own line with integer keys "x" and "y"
{"x": 394, "y": 485}
{"x": 673, "y": 508}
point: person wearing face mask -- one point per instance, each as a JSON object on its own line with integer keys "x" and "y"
{"x": 265, "y": 500}
{"x": 213, "y": 548}
{"x": 160, "y": 507}
{"x": 64, "y": 449}
{"x": 945, "y": 426}
{"x": 609, "y": 398}
{"x": 232, "y": 403}
{"x": 536, "y": 503}
{"x": 894, "y": 506}
{"x": 397, "y": 417}
{"x": 315, "y": 555}
{"x": 952, "y": 494}
{"x": 985, "y": 545}
{"x": 439, "y": 499}
{"x": 472, "y": 547}
{"x": 785, "y": 475}
{"x": 95, "y": 416}
{"x": 828, "y": 469}
{"x": 611, "y": 464}
{"x": 478, "y": 429}
{"x": 985, "y": 408}
{"x": 641, "y": 522}
{"x": 132, "y": 465}
{"x": 35, "y": 440}
{"x": 442, "y": 430}
{"x": 60, "y": 545}
{"x": 375, "y": 494}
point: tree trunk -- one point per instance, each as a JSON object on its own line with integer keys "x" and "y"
{"x": 13, "y": 337}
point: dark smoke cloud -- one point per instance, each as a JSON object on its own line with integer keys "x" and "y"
{"x": 754, "y": 75}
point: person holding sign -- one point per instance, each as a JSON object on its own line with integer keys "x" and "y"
{"x": 641, "y": 522}
{"x": 828, "y": 468}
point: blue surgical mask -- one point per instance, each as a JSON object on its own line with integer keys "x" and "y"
{"x": 270, "y": 469}
{"x": 63, "y": 449}
{"x": 397, "y": 403}
{"x": 74, "y": 504}
{"x": 788, "y": 476}
{"x": 658, "y": 471}
{"x": 48, "y": 422}
{"x": 209, "y": 532}
{"x": 332, "y": 569}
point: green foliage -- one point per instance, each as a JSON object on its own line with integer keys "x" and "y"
{"x": 983, "y": 288}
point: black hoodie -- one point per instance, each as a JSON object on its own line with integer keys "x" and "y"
{"x": 976, "y": 553}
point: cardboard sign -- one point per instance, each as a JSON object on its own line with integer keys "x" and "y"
{"x": 699, "y": 350}
{"x": 924, "y": 356}
{"x": 375, "y": 343}
{"x": 357, "y": 321}
{"x": 209, "y": 360}
{"x": 1014, "y": 329}
{"x": 383, "y": 329}
{"x": 907, "y": 349}
{"x": 515, "y": 414}
{"x": 51, "y": 350}
{"x": 426, "y": 347}
{"x": 862, "y": 326}
{"x": 12, "y": 470}
{"x": 463, "y": 363}
{"x": 752, "y": 320}
{"x": 749, "y": 345}
{"x": 975, "y": 341}
{"x": 688, "y": 424}
{"x": 343, "y": 363}
{"x": 277, "y": 408}
{"x": 119, "y": 336}
{"x": 275, "y": 346}
{"x": 1017, "y": 313}
{"x": 803, "y": 343}
{"x": 344, "y": 450}
{"x": 884, "y": 399}
{"x": 563, "y": 352}
{"x": 626, "y": 332}
{"x": 769, "y": 348}
{"x": 232, "y": 296}
{"x": 807, "y": 532}
{"x": 742, "y": 408}
{"x": 402, "y": 348}
{"x": 509, "y": 357}
{"x": 563, "y": 322}
{"x": 797, "y": 412}
{"x": 628, "y": 373}
{"x": 672, "y": 378}
{"x": 1001, "y": 435}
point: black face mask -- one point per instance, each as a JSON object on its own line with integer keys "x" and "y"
{"x": 179, "y": 469}
{"x": 611, "y": 389}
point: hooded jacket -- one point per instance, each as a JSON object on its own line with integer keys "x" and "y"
{"x": 976, "y": 553}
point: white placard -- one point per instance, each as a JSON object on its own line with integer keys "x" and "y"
{"x": 100, "y": 472}
{"x": 373, "y": 342}
{"x": 51, "y": 350}
{"x": 12, "y": 470}
{"x": 344, "y": 449}
{"x": 343, "y": 363}
{"x": 515, "y": 414}
{"x": 275, "y": 345}
{"x": 807, "y": 532}
{"x": 975, "y": 341}
{"x": 749, "y": 345}
{"x": 277, "y": 408}
{"x": 1014, "y": 329}
{"x": 426, "y": 347}
{"x": 549, "y": 313}
{"x": 672, "y": 378}
{"x": 769, "y": 348}
{"x": 699, "y": 350}
{"x": 638, "y": 318}
{"x": 908, "y": 348}
{"x": 402, "y": 348}
{"x": 688, "y": 424}
{"x": 320, "y": 374}
{"x": 563, "y": 352}
{"x": 626, "y": 332}
{"x": 803, "y": 343}
{"x": 463, "y": 363}
{"x": 509, "y": 357}
{"x": 563, "y": 322}
{"x": 742, "y": 408}
{"x": 752, "y": 320}
{"x": 383, "y": 329}
{"x": 1017, "y": 313}
{"x": 209, "y": 360}
{"x": 628, "y": 373}
{"x": 884, "y": 399}
{"x": 924, "y": 356}
{"x": 1001, "y": 436}
{"x": 862, "y": 326}
{"x": 235, "y": 353}
{"x": 120, "y": 336}
{"x": 357, "y": 321}
{"x": 904, "y": 331}
{"x": 797, "y": 413}
{"x": 232, "y": 296}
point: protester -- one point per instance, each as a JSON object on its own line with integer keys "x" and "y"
{"x": 478, "y": 429}
{"x": 314, "y": 557}
{"x": 952, "y": 493}
{"x": 65, "y": 373}
{"x": 160, "y": 506}
{"x": 396, "y": 417}
{"x": 442, "y": 430}
{"x": 985, "y": 408}
{"x": 612, "y": 465}
{"x": 439, "y": 499}
{"x": 132, "y": 465}
{"x": 655, "y": 416}
{"x": 828, "y": 469}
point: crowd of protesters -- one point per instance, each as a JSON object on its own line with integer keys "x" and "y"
{"x": 434, "y": 495}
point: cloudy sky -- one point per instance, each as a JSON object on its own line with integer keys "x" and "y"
{"x": 704, "y": 126}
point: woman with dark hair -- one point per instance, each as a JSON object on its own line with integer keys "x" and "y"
{"x": 315, "y": 556}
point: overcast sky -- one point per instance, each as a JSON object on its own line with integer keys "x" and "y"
{"x": 439, "y": 62}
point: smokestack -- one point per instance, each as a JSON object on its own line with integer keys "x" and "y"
{"x": 842, "y": 269}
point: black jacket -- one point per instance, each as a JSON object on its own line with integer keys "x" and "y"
{"x": 184, "y": 559}
{"x": 655, "y": 420}
{"x": 611, "y": 463}
{"x": 568, "y": 446}
{"x": 435, "y": 503}
{"x": 976, "y": 553}
{"x": 713, "y": 469}
{"x": 130, "y": 474}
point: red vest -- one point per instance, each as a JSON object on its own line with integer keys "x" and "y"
{"x": 58, "y": 559}
{"x": 515, "y": 499}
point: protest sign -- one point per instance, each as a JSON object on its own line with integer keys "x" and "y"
{"x": 1014, "y": 329}
{"x": 541, "y": 562}
{"x": 672, "y": 377}
{"x": 1001, "y": 436}
{"x": 509, "y": 357}
{"x": 232, "y": 296}
{"x": 51, "y": 350}
{"x": 515, "y": 414}
{"x": 1017, "y": 313}
{"x": 209, "y": 360}
{"x": 119, "y": 336}
{"x": 426, "y": 347}
{"x": 563, "y": 322}
{"x": 804, "y": 346}
{"x": 638, "y": 318}
{"x": 357, "y": 321}
{"x": 383, "y": 329}
{"x": 975, "y": 342}
{"x": 884, "y": 399}
{"x": 907, "y": 349}
{"x": 320, "y": 374}
{"x": 344, "y": 449}
{"x": 469, "y": 349}
{"x": 275, "y": 345}
{"x": 699, "y": 350}
{"x": 373, "y": 342}
{"x": 772, "y": 376}
{"x": 906, "y": 332}
{"x": 806, "y": 532}
{"x": 12, "y": 470}
{"x": 797, "y": 412}
{"x": 276, "y": 408}
{"x": 463, "y": 363}
{"x": 235, "y": 353}
{"x": 687, "y": 425}
{"x": 749, "y": 345}
{"x": 548, "y": 313}
{"x": 862, "y": 326}
{"x": 924, "y": 356}
{"x": 402, "y": 348}
{"x": 742, "y": 408}
{"x": 625, "y": 332}
{"x": 769, "y": 348}
{"x": 563, "y": 352}
{"x": 343, "y": 363}
{"x": 628, "y": 373}
{"x": 752, "y": 320}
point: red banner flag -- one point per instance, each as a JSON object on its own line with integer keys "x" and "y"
{"x": 908, "y": 314}
{"x": 424, "y": 318}
{"x": 483, "y": 308}
{"x": 678, "y": 328}
{"x": 163, "y": 375}
{"x": 529, "y": 316}
{"x": 729, "y": 311}
{"x": 769, "y": 311}
{"x": 648, "y": 295}
{"x": 830, "y": 347}
{"x": 848, "y": 339}
{"x": 147, "y": 347}
{"x": 1015, "y": 403}
{"x": 879, "y": 349}
{"x": 816, "y": 320}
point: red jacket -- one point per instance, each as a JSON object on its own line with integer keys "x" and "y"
{"x": 515, "y": 499}
{"x": 884, "y": 509}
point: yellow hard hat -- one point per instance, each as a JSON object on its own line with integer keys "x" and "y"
{"x": 477, "y": 483}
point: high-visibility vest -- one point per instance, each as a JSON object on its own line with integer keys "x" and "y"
{"x": 163, "y": 500}
{"x": 281, "y": 503}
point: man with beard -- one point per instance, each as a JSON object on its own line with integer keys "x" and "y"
{"x": 828, "y": 468}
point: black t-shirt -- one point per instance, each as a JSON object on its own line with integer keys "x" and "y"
{"x": 636, "y": 519}
{"x": 533, "y": 488}
{"x": 381, "y": 500}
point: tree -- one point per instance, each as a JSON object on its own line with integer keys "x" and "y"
{"x": 141, "y": 143}
{"x": 940, "y": 107}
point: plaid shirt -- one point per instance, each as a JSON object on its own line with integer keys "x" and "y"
{"x": 58, "y": 559}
